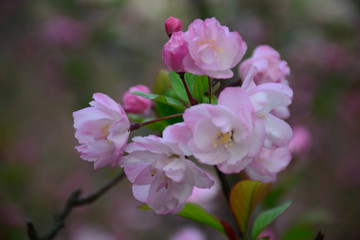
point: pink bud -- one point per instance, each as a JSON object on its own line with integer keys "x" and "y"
{"x": 172, "y": 25}
{"x": 174, "y": 52}
{"x": 134, "y": 103}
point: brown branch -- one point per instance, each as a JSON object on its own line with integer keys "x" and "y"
{"x": 72, "y": 202}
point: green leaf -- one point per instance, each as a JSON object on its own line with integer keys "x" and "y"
{"x": 178, "y": 85}
{"x": 160, "y": 98}
{"x": 190, "y": 82}
{"x": 162, "y": 82}
{"x": 267, "y": 217}
{"x": 196, "y": 213}
{"x": 200, "y": 87}
{"x": 244, "y": 197}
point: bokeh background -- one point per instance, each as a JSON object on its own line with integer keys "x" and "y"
{"x": 55, "y": 54}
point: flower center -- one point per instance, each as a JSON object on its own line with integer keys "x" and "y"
{"x": 211, "y": 45}
{"x": 223, "y": 138}
{"x": 105, "y": 131}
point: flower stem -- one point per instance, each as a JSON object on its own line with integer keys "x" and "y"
{"x": 224, "y": 183}
{"x": 139, "y": 125}
{"x": 210, "y": 90}
{"x": 191, "y": 99}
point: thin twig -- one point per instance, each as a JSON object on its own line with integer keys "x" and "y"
{"x": 72, "y": 202}
{"x": 139, "y": 125}
{"x": 191, "y": 99}
{"x": 93, "y": 197}
{"x": 31, "y": 232}
{"x": 210, "y": 90}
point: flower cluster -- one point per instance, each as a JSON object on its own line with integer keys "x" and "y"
{"x": 244, "y": 131}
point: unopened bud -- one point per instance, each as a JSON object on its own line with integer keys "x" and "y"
{"x": 172, "y": 25}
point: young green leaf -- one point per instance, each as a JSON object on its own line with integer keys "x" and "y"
{"x": 162, "y": 82}
{"x": 244, "y": 197}
{"x": 160, "y": 98}
{"x": 190, "y": 81}
{"x": 178, "y": 86}
{"x": 200, "y": 87}
{"x": 264, "y": 219}
{"x": 196, "y": 213}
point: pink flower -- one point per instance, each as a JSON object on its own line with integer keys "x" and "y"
{"x": 265, "y": 98}
{"x": 161, "y": 175}
{"x": 174, "y": 52}
{"x": 268, "y": 163}
{"x": 172, "y": 25}
{"x": 102, "y": 130}
{"x": 227, "y": 135}
{"x": 213, "y": 50}
{"x": 188, "y": 233}
{"x": 301, "y": 141}
{"x": 270, "y": 68}
{"x": 134, "y": 103}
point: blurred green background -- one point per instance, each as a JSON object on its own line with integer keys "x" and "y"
{"x": 55, "y": 54}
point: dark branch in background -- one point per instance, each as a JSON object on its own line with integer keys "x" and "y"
{"x": 72, "y": 202}
{"x": 320, "y": 236}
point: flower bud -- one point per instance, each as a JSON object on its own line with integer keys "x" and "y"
{"x": 174, "y": 52}
{"x": 172, "y": 25}
{"x": 134, "y": 103}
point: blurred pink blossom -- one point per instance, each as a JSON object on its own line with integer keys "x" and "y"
{"x": 301, "y": 140}
{"x": 213, "y": 50}
{"x": 102, "y": 130}
{"x": 188, "y": 233}
{"x": 65, "y": 31}
{"x": 172, "y": 25}
{"x": 174, "y": 52}
{"x": 134, "y": 103}
{"x": 161, "y": 175}
{"x": 91, "y": 233}
{"x": 270, "y": 68}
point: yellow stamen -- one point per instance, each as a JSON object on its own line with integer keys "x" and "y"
{"x": 154, "y": 172}
{"x": 223, "y": 138}
{"x": 105, "y": 130}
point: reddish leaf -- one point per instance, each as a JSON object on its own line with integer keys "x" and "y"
{"x": 244, "y": 198}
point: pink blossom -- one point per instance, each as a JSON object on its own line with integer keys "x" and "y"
{"x": 161, "y": 175}
{"x": 134, "y": 103}
{"x": 102, "y": 130}
{"x": 227, "y": 135}
{"x": 301, "y": 140}
{"x": 270, "y": 67}
{"x": 268, "y": 163}
{"x": 172, "y": 25}
{"x": 174, "y": 52}
{"x": 188, "y": 233}
{"x": 265, "y": 98}
{"x": 213, "y": 50}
